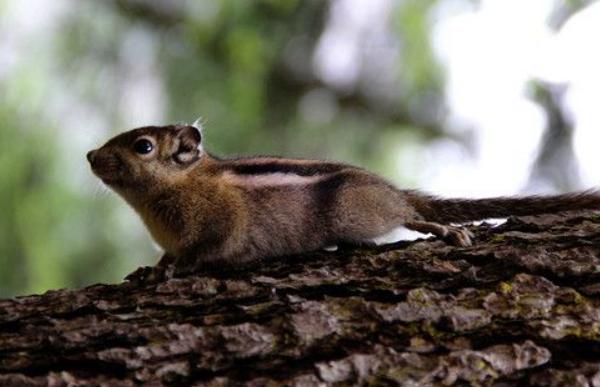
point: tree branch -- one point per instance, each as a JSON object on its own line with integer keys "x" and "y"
{"x": 520, "y": 306}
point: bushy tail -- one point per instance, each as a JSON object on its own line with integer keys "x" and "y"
{"x": 436, "y": 209}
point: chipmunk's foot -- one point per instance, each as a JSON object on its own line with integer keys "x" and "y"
{"x": 147, "y": 275}
{"x": 457, "y": 236}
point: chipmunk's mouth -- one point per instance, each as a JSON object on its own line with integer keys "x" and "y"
{"x": 109, "y": 179}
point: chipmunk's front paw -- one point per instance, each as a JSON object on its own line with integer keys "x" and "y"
{"x": 146, "y": 275}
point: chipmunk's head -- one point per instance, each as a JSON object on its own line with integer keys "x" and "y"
{"x": 146, "y": 156}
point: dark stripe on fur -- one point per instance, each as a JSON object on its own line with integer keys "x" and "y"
{"x": 325, "y": 193}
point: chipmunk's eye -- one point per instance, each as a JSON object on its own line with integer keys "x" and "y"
{"x": 143, "y": 146}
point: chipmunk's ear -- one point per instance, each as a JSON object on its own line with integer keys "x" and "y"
{"x": 188, "y": 145}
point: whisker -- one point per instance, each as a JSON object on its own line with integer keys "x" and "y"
{"x": 100, "y": 190}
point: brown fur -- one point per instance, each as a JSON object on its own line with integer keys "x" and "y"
{"x": 203, "y": 209}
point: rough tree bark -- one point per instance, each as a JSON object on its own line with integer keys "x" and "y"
{"x": 520, "y": 306}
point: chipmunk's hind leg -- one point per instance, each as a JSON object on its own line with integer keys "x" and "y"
{"x": 367, "y": 211}
{"x": 457, "y": 236}
{"x": 363, "y": 214}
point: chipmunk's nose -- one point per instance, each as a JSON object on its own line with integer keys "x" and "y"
{"x": 91, "y": 155}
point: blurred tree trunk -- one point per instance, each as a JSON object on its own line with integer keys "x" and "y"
{"x": 520, "y": 306}
{"x": 555, "y": 167}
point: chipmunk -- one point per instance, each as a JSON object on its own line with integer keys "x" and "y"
{"x": 203, "y": 209}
